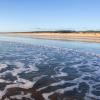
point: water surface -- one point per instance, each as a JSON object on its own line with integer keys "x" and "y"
{"x": 76, "y": 45}
{"x": 33, "y": 69}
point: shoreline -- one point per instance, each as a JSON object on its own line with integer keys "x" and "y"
{"x": 82, "y": 37}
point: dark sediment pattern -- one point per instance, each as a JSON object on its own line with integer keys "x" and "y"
{"x": 30, "y": 72}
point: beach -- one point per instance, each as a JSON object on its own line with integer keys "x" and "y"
{"x": 78, "y": 36}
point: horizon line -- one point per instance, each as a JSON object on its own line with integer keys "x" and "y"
{"x": 69, "y": 30}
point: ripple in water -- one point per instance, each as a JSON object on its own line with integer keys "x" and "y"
{"x": 30, "y": 72}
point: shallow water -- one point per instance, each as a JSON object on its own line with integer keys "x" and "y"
{"x": 76, "y": 45}
{"x": 49, "y": 71}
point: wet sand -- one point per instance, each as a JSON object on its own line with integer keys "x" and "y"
{"x": 86, "y": 37}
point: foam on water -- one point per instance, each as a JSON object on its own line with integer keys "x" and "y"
{"x": 41, "y": 72}
{"x": 2, "y": 66}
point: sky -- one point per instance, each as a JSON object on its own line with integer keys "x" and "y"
{"x": 31, "y": 15}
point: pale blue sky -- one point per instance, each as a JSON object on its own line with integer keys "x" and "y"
{"x": 30, "y": 15}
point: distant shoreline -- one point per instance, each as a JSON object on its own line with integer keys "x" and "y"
{"x": 58, "y": 31}
{"x": 75, "y": 36}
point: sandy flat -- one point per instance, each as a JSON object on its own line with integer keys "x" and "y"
{"x": 86, "y": 37}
